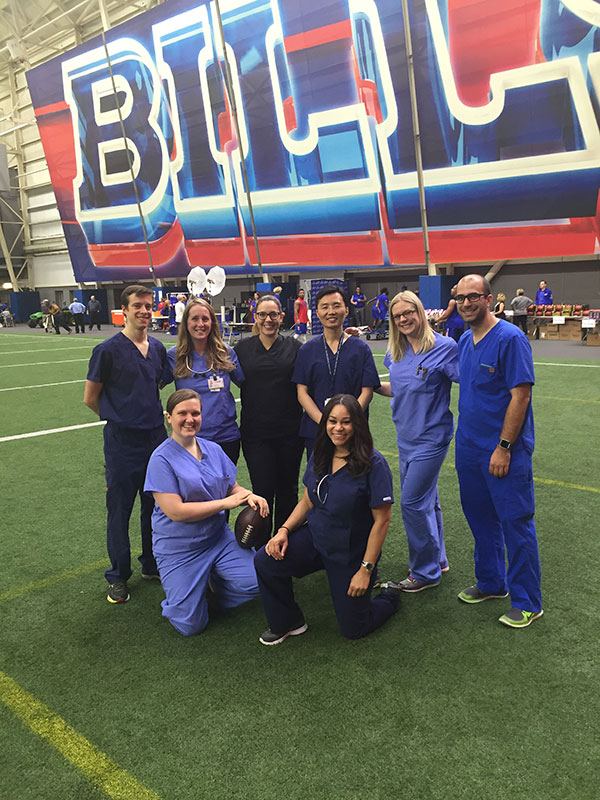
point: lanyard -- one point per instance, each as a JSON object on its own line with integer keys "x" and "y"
{"x": 335, "y": 363}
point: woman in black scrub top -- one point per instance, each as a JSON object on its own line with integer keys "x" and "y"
{"x": 270, "y": 410}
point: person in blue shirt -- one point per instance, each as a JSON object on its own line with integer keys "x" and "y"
{"x": 380, "y": 309}
{"x": 203, "y": 362}
{"x": 252, "y": 306}
{"x": 543, "y": 296}
{"x": 357, "y": 301}
{"x": 122, "y": 387}
{"x": 422, "y": 367}
{"x": 455, "y": 324}
{"x": 78, "y": 310}
{"x": 494, "y": 446}
{"x": 194, "y": 486}
{"x": 332, "y": 363}
{"x": 338, "y": 526}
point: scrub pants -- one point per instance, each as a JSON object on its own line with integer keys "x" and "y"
{"x": 500, "y": 514}
{"x": 126, "y": 454}
{"x": 356, "y": 616}
{"x": 185, "y": 578}
{"x": 274, "y": 467}
{"x": 422, "y": 515}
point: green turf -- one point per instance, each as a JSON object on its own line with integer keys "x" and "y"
{"x": 443, "y": 702}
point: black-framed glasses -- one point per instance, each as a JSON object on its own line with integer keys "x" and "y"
{"x": 404, "y": 314}
{"x": 472, "y": 297}
{"x": 262, "y": 315}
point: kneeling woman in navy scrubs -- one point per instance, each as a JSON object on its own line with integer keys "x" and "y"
{"x": 339, "y": 525}
{"x": 194, "y": 485}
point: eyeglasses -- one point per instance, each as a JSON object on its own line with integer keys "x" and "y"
{"x": 404, "y": 315}
{"x": 262, "y": 315}
{"x": 472, "y": 297}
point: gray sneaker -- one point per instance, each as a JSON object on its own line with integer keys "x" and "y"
{"x": 118, "y": 592}
{"x": 411, "y": 584}
{"x": 474, "y": 595}
{"x": 270, "y": 638}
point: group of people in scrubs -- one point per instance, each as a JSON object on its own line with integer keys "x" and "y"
{"x": 340, "y": 523}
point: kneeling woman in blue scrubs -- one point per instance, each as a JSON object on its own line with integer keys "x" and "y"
{"x": 339, "y": 525}
{"x": 194, "y": 485}
{"x": 422, "y": 366}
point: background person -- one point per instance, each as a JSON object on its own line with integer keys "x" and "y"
{"x": 455, "y": 325}
{"x": 494, "y": 446}
{"x": 519, "y": 304}
{"x": 194, "y": 486}
{"x": 357, "y": 302}
{"x": 422, "y": 366}
{"x": 94, "y": 309}
{"x": 271, "y": 413}
{"x": 339, "y": 525}
{"x": 77, "y": 309}
{"x": 543, "y": 296}
{"x": 252, "y": 306}
{"x": 332, "y": 364}
{"x": 499, "y": 307}
{"x": 58, "y": 318}
{"x": 380, "y": 309}
{"x": 179, "y": 309}
{"x": 300, "y": 316}
{"x": 122, "y": 387}
{"x": 47, "y": 322}
{"x": 203, "y": 362}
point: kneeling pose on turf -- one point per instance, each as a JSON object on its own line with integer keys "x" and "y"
{"x": 339, "y": 525}
{"x": 194, "y": 485}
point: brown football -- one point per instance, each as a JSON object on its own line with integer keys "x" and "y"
{"x": 252, "y": 530}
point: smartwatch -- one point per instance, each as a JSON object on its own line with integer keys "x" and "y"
{"x": 505, "y": 444}
{"x": 367, "y": 565}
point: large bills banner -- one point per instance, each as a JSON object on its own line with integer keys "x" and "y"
{"x": 508, "y": 111}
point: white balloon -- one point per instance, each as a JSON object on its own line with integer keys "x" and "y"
{"x": 196, "y": 281}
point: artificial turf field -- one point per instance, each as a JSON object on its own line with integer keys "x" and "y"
{"x": 102, "y": 701}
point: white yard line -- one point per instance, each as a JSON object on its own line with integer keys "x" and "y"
{"x": 44, "y": 363}
{"x": 41, "y": 385}
{"x": 51, "y": 430}
{"x": 46, "y": 349}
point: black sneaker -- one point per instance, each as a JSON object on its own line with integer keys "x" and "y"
{"x": 150, "y": 576}
{"x": 118, "y": 592}
{"x": 391, "y": 591}
{"x": 269, "y": 638}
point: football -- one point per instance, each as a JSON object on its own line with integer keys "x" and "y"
{"x": 252, "y": 530}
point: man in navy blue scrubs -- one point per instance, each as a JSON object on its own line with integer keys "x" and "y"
{"x": 332, "y": 363}
{"x": 494, "y": 446}
{"x": 122, "y": 387}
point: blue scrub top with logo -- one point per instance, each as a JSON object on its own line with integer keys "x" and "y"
{"x": 341, "y": 521}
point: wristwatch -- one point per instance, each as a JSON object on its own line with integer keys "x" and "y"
{"x": 367, "y": 565}
{"x": 505, "y": 444}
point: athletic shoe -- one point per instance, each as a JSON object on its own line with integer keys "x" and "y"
{"x": 411, "y": 584}
{"x": 515, "y": 618}
{"x": 443, "y": 569}
{"x": 474, "y": 595}
{"x": 391, "y": 591}
{"x": 150, "y": 576}
{"x": 270, "y": 638}
{"x": 118, "y": 592}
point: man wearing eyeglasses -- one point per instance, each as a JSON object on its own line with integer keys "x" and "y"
{"x": 494, "y": 446}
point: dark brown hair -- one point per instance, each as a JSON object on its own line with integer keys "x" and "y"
{"x": 360, "y": 446}
{"x": 179, "y": 396}
{"x": 137, "y": 289}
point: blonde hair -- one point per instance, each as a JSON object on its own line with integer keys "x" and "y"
{"x": 501, "y": 297}
{"x": 216, "y": 353}
{"x": 398, "y": 341}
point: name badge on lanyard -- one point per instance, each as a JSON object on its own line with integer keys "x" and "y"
{"x": 216, "y": 383}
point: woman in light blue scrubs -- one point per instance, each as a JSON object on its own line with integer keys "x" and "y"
{"x": 203, "y": 362}
{"x": 194, "y": 486}
{"x": 422, "y": 366}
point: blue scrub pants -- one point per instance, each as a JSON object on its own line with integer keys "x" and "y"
{"x": 126, "y": 455}
{"x": 422, "y": 515}
{"x": 185, "y": 577}
{"x": 356, "y": 616}
{"x": 500, "y": 514}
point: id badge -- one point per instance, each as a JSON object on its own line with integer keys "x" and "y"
{"x": 216, "y": 383}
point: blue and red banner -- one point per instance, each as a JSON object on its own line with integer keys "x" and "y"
{"x": 508, "y": 115}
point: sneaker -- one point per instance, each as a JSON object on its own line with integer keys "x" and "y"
{"x": 515, "y": 618}
{"x": 391, "y": 591}
{"x": 474, "y": 595}
{"x": 150, "y": 576}
{"x": 269, "y": 638}
{"x": 411, "y": 584}
{"x": 443, "y": 569}
{"x": 118, "y": 592}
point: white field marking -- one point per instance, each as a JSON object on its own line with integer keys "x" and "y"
{"x": 43, "y": 363}
{"x": 47, "y": 349}
{"x": 51, "y": 430}
{"x": 536, "y": 363}
{"x": 41, "y": 385}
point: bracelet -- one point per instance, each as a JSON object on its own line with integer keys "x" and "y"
{"x": 285, "y": 527}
